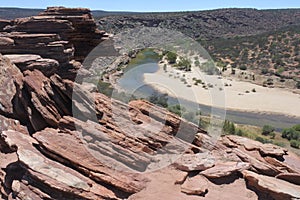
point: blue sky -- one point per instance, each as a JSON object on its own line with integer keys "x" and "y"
{"x": 154, "y": 5}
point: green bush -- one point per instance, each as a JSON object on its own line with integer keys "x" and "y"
{"x": 281, "y": 144}
{"x": 171, "y": 57}
{"x": 176, "y": 109}
{"x": 263, "y": 140}
{"x": 159, "y": 99}
{"x": 243, "y": 67}
{"x": 229, "y": 127}
{"x": 291, "y": 133}
{"x": 264, "y": 71}
{"x": 184, "y": 64}
{"x": 295, "y": 144}
{"x": 239, "y": 132}
{"x": 298, "y": 85}
{"x": 189, "y": 116}
{"x": 267, "y": 129}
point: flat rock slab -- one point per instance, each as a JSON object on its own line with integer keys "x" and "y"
{"x": 264, "y": 149}
{"x": 276, "y": 188}
{"x": 197, "y": 185}
{"x": 195, "y": 162}
{"x": 225, "y": 169}
{"x": 290, "y": 177}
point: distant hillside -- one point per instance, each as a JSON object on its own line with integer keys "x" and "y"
{"x": 208, "y": 24}
{"x": 272, "y": 53}
{"x": 265, "y": 42}
{"x": 12, "y": 13}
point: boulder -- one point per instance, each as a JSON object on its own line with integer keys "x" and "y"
{"x": 225, "y": 169}
{"x": 10, "y": 83}
{"x": 290, "y": 177}
{"x": 4, "y": 23}
{"x": 195, "y": 162}
{"x": 274, "y": 188}
{"x": 30, "y": 62}
{"x": 197, "y": 185}
{"x": 43, "y": 101}
{"x": 54, "y": 179}
{"x": 264, "y": 149}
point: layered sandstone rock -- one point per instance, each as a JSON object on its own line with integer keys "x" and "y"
{"x": 74, "y": 25}
{"x": 4, "y": 23}
{"x": 45, "y": 45}
{"x": 10, "y": 84}
{"x": 59, "y": 34}
{"x": 30, "y": 62}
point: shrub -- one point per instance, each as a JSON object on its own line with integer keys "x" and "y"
{"x": 184, "y": 64}
{"x": 240, "y": 132}
{"x": 267, "y": 130}
{"x": 176, "y": 109}
{"x": 159, "y": 99}
{"x": 263, "y": 140}
{"x": 298, "y": 85}
{"x": 295, "y": 144}
{"x": 281, "y": 144}
{"x": 189, "y": 116}
{"x": 229, "y": 127}
{"x": 264, "y": 71}
{"x": 171, "y": 57}
{"x": 243, "y": 67}
{"x": 291, "y": 133}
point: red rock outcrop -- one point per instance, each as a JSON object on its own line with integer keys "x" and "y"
{"x": 4, "y": 23}
{"x": 62, "y": 34}
{"x": 30, "y": 62}
{"x": 11, "y": 82}
{"x": 74, "y": 25}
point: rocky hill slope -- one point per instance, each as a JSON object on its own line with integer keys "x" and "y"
{"x": 46, "y": 152}
{"x": 12, "y": 13}
{"x": 208, "y": 25}
{"x": 262, "y": 41}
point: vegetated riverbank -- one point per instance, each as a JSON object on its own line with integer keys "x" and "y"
{"x": 131, "y": 80}
{"x": 129, "y": 83}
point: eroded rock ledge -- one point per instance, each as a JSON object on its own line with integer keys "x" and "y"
{"x": 61, "y": 34}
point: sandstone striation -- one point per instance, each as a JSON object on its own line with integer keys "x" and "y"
{"x": 67, "y": 35}
{"x": 74, "y": 25}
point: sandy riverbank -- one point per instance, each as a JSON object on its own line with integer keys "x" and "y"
{"x": 232, "y": 96}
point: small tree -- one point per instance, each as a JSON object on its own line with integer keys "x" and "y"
{"x": 298, "y": 85}
{"x": 171, "y": 57}
{"x": 267, "y": 130}
{"x": 165, "y": 67}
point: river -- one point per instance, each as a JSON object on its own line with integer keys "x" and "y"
{"x": 133, "y": 83}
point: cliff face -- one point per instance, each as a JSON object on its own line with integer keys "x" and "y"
{"x": 61, "y": 34}
{"x": 46, "y": 152}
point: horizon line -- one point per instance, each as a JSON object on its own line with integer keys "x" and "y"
{"x": 163, "y": 11}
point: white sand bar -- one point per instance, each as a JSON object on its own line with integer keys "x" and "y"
{"x": 264, "y": 100}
